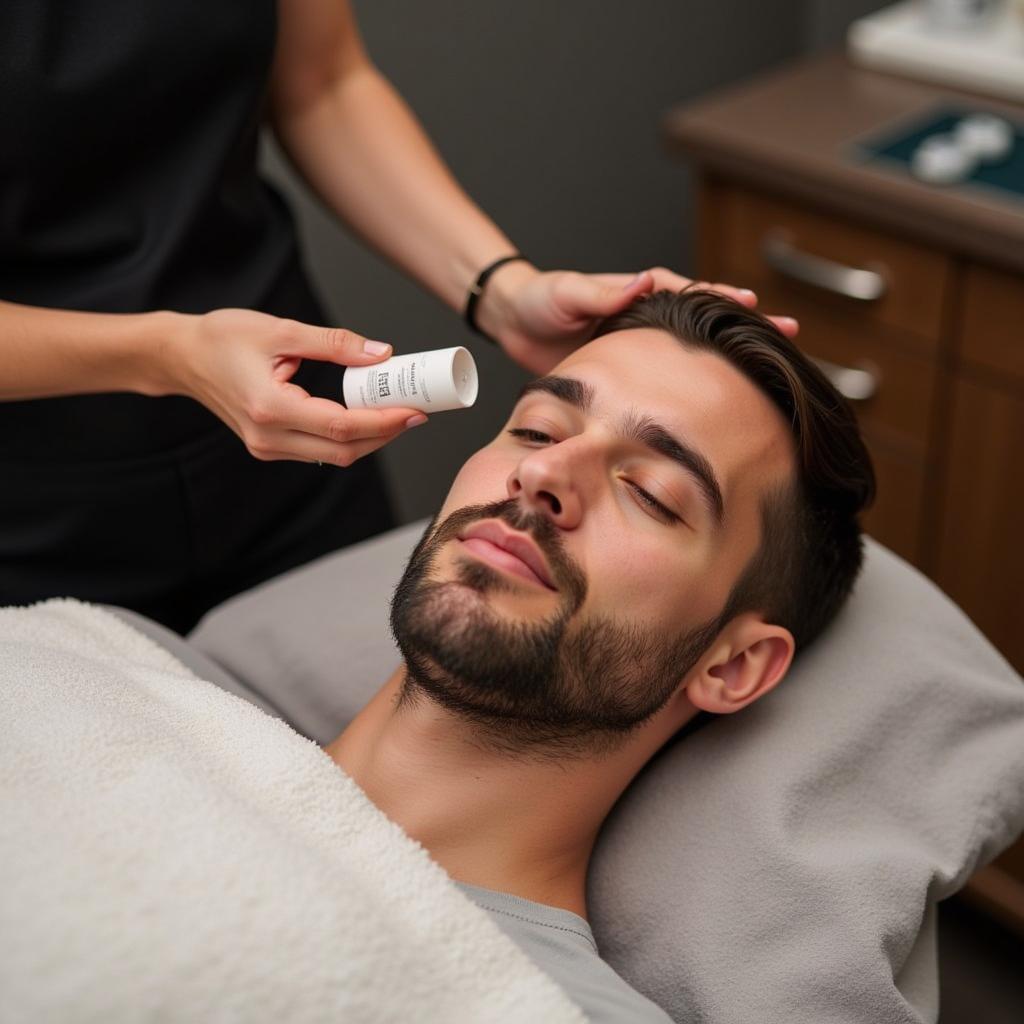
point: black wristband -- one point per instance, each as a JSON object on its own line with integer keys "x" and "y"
{"x": 477, "y": 290}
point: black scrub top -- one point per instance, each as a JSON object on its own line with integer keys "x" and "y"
{"x": 129, "y": 183}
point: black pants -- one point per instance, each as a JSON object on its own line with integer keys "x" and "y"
{"x": 171, "y": 535}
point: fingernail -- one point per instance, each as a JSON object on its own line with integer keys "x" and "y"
{"x": 376, "y": 348}
{"x": 748, "y": 294}
{"x": 415, "y": 421}
{"x": 636, "y": 280}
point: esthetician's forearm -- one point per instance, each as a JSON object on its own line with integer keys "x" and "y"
{"x": 49, "y": 352}
{"x": 361, "y": 149}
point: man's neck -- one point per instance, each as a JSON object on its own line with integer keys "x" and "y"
{"x": 525, "y": 827}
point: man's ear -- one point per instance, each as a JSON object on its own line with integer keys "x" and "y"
{"x": 747, "y": 659}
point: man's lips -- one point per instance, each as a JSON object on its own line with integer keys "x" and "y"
{"x": 507, "y": 549}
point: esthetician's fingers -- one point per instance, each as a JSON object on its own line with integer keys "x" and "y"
{"x": 297, "y": 410}
{"x": 606, "y": 294}
{"x": 662, "y": 279}
{"x": 789, "y": 327}
{"x": 297, "y": 419}
{"x": 334, "y": 345}
{"x": 307, "y": 448}
{"x": 585, "y": 296}
{"x": 326, "y": 344}
{"x": 669, "y": 280}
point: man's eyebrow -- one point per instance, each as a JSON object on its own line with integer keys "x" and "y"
{"x": 644, "y": 430}
{"x": 568, "y": 389}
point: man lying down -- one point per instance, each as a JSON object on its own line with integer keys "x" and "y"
{"x": 664, "y": 521}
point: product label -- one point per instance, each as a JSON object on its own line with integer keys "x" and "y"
{"x": 406, "y": 380}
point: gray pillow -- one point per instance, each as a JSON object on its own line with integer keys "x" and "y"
{"x": 780, "y": 864}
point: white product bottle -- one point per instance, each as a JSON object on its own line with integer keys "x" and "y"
{"x": 428, "y": 381}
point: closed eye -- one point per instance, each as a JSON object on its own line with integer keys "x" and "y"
{"x": 537, "y": 436}
{"x": 651, "y": 502}
{"x": 644, "y": 497}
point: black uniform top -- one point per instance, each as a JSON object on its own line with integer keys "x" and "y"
{"x": 128, "y": 183}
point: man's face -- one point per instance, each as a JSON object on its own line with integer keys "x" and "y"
{"x": 580, "y": 562}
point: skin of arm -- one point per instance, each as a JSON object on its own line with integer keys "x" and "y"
{"x": 51, "y": 352}
{"x": 354, "y": 140}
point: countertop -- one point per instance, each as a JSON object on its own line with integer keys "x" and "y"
{"x": 793, "y": 131}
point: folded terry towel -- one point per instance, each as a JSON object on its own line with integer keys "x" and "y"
{"x": 170, "y": 852}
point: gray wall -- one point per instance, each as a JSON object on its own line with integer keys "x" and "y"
{"x": 826, "y": 20}
{"x": 548, "y": 114}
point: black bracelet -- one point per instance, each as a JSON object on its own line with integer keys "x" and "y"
{"x": 478, "y": 289}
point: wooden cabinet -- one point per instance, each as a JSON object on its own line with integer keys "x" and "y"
{"x": 933, "y": 319}
{"x": 992, "y": 337}
{"x": 980, "y": 561}
{"x": 915, "y": 277}
{"x": 980, "y": 557}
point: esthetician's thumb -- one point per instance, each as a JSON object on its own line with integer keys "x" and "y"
{"x": 342, "y": 346}
{"x": 596, "y": 296}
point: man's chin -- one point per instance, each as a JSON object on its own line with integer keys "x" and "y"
{"x": 472, "y": 610}
{"x": 472, "y": 573}
{"x": 482, "y": 598}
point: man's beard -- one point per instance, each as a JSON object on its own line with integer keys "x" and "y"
{"x": 561, "y": 685}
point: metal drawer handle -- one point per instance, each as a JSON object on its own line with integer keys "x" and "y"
{"x": 853, "y": 384}
{"x": 852, "y": 282}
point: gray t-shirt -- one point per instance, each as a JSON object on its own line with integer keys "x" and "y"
{"x": 562, "y": 945}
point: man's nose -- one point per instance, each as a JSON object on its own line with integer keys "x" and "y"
{"x": 543, "y": 483}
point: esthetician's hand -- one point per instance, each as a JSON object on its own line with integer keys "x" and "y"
{"x": 540, "y": 317}
{"x": 239, "y": 364}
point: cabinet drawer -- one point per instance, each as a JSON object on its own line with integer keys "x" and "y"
{"x": 992, "y": 333}
{"x": 806, "y": 254}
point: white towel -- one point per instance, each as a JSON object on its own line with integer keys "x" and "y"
{"x": 168, "y": 852}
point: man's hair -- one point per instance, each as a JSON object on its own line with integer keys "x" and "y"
{"x": 811, "y": 547}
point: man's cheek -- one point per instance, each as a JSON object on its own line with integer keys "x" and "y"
{"x": 481, "y": 480}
